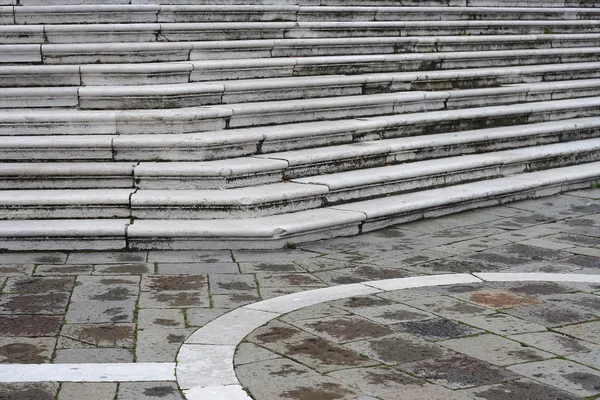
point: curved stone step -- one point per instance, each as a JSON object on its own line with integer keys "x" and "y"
{"x": 276, "y": 231}
{"x": 297, "y": 195}
{"x": 148, "y": 13}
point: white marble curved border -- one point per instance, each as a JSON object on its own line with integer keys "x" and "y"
{"x": 205, "y": 369}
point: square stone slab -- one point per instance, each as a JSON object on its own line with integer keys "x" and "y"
{"x": 591, "y": 359}
{"x": 517, "y": 390}
{"x": 47, "y": 303}
{"x": 22, "y": 350}
{"x": 503, "y": 324}
{"x": 554, "y": 342}
{"x": 458, "y": 371}
{"x": 30, "y": 325}
{"x": 77, "y": 390}
{"x": 437, "y": 329}
{"x": 447, "y": 307}
{"x": 38, "y": 285}
{"x": 167, "y": 283}
{"x": 391, "y": 314}
{"x": 85, "y": 356}
{"x": 589, "y": 331}
{"x": 157, "y": 318}
{"x": 148, "y": 391}
{"x": 498, "y": 299}
{"x": 549, "y": 315}
{"x": 562, "y": 374}
{"x": 342, "y": 329}
{"x": 101, "y": 335}
{"x": 496, "y": 350}
{"x": 27, "y": 391}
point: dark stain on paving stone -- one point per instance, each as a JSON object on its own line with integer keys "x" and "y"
{"x": 115, "y": 281}
{"x": 297, "y": 280}
{"x": 159, "y": 391}
{"x": 380, "y": 273}
{"x": 41, "y": 285}
{"x": 464, "y": 308}
{"x": 235, "y": 286}
{"x": 345, "y": 280}
{"x": 587, "y": 381}
{"x": 30, "y": 393}
{"x": 465, "y": 266}
{"x": 115, "y": 294}
{"x": 542, "y": 288}
{"x": 115, "y": 313}
{"x": 288, "y": 369}
{"x": 348, "y": 329}
{"x": 524, "y": 390}
{"x": 500, "y": 299}
{"x": 70, "y": 269}
{"x": 127, "y": 257}
{"x": 126, "y": 269}
{"x": 582, "y": 261}
{"x": 571, "y": 344}
{"x": 389, "y": 233}
{"x": 49, "y": 259}
{"x": 526, "y": 354}
{"x": 501, "y": 259}
{"x": 391, "y": 376}
{"x": 175, "y": 338}
{"x": 276, "y": 267}
{"x": 165, "y": 322}
{"x": 416, "y": 259}
{"x": 241, "y": 298}
{"x": 460, "y": 371}
{"x": 180, "y": 299}
{"x": 579, "y": 239}
{"x": 463, "y": 288}
{"x": 532, "y": 252}
{"x": 322, "y": 391}
{"x": 401, "y": 315}
{"x": 588, "y": 208}
{"x": 275, "y": 334}
{"x": 549, "y": 315}
{"x": 29, "y": 325}
{"x": 436, "y": 329}
{"x": 399, "y": 350}
{"x": 51, "y": 303}
{"x": 22, "y": 353}
{"x": 324, "y": 351}
{"x": 10, "y": 270}
{"x": 179, "y": 282}
{"x": 104, "y": 333}
{"x": 359, "y": 302}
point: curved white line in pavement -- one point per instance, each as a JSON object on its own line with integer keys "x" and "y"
{"x": 205, "y": 369}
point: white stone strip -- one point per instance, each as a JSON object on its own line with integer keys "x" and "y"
{"x": 205, "y": 369}
{"x": 110, "y": 372}
{"x": 536, "y": 276}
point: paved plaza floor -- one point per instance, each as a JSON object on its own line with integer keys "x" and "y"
{"x": 474, "y": 339}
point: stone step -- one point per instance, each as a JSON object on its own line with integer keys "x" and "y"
{"x": 182, "y": 42}
{"x": 278, "y": 230}
{"x": 231, "y": 143}
{"x": 277, "y": 167}
{"x": 150, "y": 13}
{"x": 195, "y": 119}
{"x": 257, "y": 90}
{"x": 296, "y": 195}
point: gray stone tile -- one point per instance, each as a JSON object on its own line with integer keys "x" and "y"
{"x": 77, "y": 390}
{"x": 591, "y": 358}
{"x": 247, "y": 353}
{"x": 101, "y": 335}
{"x": 436, "y": 329}
{"x": 202, "y": 316}
{"x": 38, "y": 285}
{"x": 54, "y": 303}
{"x": 270, "y": 267}
{"x": 197, "y": 268}
{"x": 562, "y": 374}
{"x": 234, "y": 300}
{"x": 107, "y": 257}
{"x": 175, "y": 299}
{"x": 158, "y": 318}
{"x": 589, "y": 331}
{"x": 549, "y": 315}
{"x": 519, "y": 389}
{"x": 495, "y": 350}
{"x": 503, "y": 324}
{"x": 271, "y": 256}
{"x": 30, "y": 325}
{"x": 342, "y": 329}
{"x": 52, "y": 270}
{"x": 166, "y": 283}
{"x": 86, "y": 356}
{"x": 160, "y": 345}
{"x": 189, "y": 256}
{"x": 33, "y": 258}
{"x": 554, "y": 342}
{"x": 311, "y": 312}
{"x": 288, "y": 279}
{"x": 28, "y": 391}
{"x": 123, "y": 269}
{"x": 227, "y": 284}
{"x": 23, "y": 350}
{"x": 16, "y": 269}
{"x": 148, "y": 391}
{"x": 447, "y": 307}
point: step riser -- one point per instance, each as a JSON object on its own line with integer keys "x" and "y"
{"x": 142, "y": 210}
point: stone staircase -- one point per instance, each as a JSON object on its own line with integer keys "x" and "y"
{"x": 199, "y": 124}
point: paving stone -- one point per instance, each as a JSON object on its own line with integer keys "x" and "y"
{"x": 575, "y": 240}
{"x": 498, "y": 299}
{"x": 28, "y": 391}
{"x": 287, "y": 279}
{"x": 458, "y": 372}
{"x": 123, "y": 269}
{"x": 391, "y": 314}
{"x": 197, "y": 268}
{"x": 53, "y": 257}
{"x": 38, "y": 285}
{"x": 580, "y": 302}
{"x": 496, "y": 350}
{"x": 101, "y": 335}
{"x": 51, "y": 270}
{"x": 536, "y": 289}
{"x": 271, "y": 256}
{"x": 202, "y": 316}
{"x": 342, "y": 329}
{"x": 562, "y": 374}
{"x": 503, "y": 324}
{"x": 227, "y": 284}
{"x": 30, "y": 325}
{"x": 164, "y": 283}
{"x": 463, "y": 219}
{"x": 85, "y": 356}
{"x": 189, "y": 256}
{"x": 553, "y": 342}
{"x": 22, "y": 350}
{"x": 77, "y": 390}
{"x": 47, "y": 303}
{"x": 521, "y": 220}
{"x": 235, "y": 300}
{"x": 161, "y": 318}
{"x": 175, "y": 299}
{"x": 247, "y": 353}
{"x": 160, "y": 345}
{"x": 398, "y": 348}
{"x": 458, "y": 264}
{"x": 311, "y": 312}
{"x": 447, "y": 307}
{"x": 339, "y": 277}
{"x": 589, "y": 331}
{"x": 98, "y": 299}
{"x": 387, "y": 383}
{"x": 549, "y": 315}
{"x": 148, "y": 391}
{"x": 591, "y": 359}
{"x": 403, "y": 258}
{"x": 436, "y": 329}
{"x": 519, "y": 389}
{"x": 326, "y": 263}
{"x": 472, "y": 245}
{"x": 107, "y": 257}
{"x": 16, "y": 270}
{"x": 272, "y": 267}
{"x": 286, "y": 379}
